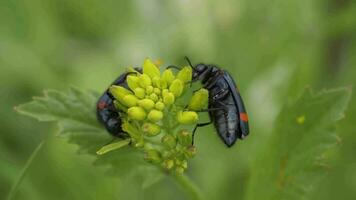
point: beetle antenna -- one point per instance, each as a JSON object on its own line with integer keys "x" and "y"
{"x": 190, "y": 64}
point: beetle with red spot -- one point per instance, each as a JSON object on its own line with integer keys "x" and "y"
{"x": 226, "y": 107}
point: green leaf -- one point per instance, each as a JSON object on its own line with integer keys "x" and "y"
{"x": 297, "y": 154}
{"x": 75, "y": 114}
{"x": 113, "y": 146}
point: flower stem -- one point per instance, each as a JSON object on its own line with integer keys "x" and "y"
{"x": 185, "y": 183}
{"x": 21, "y": 176}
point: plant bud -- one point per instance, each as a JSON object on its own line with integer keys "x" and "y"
{"x": 176, "y": 87}
{"x": 129, "y": 100}
{"x": 169, "y": 141}
{"x": 140, "y": 144}
{"x": 119, "y": 105}
{"x": 147, "y": 104}
{"x": 187, "y": 117}
{"x": 179, "y": 170}
{"x": 184, "y": 164}
{"x": 165, "y": 91}
{"x": 190, "y": 152}
{"x": 145, "y": 81}
{"x": 157, "y": 91}
{"x": 199, "y": 100}
{"x": 149, "y": 89}
{"x": 164, "y": 84}
{"x": 131, "y": 130}
{"x": 132, "y": 82}
{"x": 119, "y": 92}
{"x": 136, "y": 113}
{"x": 151, "y": 129}
{"x": 168, "y": 98}
{"x": 154, "y": 97}
{"x": 168, "y": 76}
{"x": 185, "y": 75}
{"x": 166, "y": 154}
{"x": 140, "y": 92}
{"x": 155, "y": 115}
{"x": 184, "y": 138}
{"x": 153, "y": 156}
{"x": 168, "y": 164}
{"x": 156, "y": 82}
{"x": 150, "y": 69}
{"x": 159, "y": 105}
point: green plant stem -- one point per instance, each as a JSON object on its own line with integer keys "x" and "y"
{"x": 185, "y": 183}
{"x": 22, "y": 174}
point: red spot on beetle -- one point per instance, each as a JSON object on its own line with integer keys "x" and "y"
{"x": 244, "y": 117}
{"x": 101, "y": 105}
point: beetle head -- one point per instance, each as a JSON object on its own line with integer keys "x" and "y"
{"x": 200, "y": 71}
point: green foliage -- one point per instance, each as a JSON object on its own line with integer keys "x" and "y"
{"x": 272, "y": 48}
{"x": 74, "y": 112}
{"x": 297, "y": 154}
{"x": 292, "y": 161}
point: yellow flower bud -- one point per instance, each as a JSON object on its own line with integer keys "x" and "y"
{"x": 119, "y": 105}
{"x": 169, "y": 141}
{"x": 164, "y": 92}
{"x": 140, "y": 143}
{"x": 150, "y": 69}
{"x": 147, "y": 104}
{"x": 185, "y": 75}
{"x": 168, "y": 98}
{"x": 159, "y": 105}
{"x": 184, "y": 138}
{"x": 187, "y": 117}
{"x": 156, "y": 82}
{"x": 140, "y": 92}
{"x": 131, "y": 130}
{"x": 136, "y": 113}
{"x": 199, "y": 99}
{"x": 190, "y": 152}
{"x": 168, "y": 164}
{"x": 180, "y": 170}
{"x": 176, "y": 87}
{"x": 164, "y": 84}
{"x": 153, "y": 156}
{"x": 119, "y": 92}
{"x": 168, "y": 76}
{"x": 184, "y": 164}
{"x": 132, "y": 82}
{"x": 155, "y": 115}
{"x": 149, "y": 89}
{"x": 145, "y": 81}
{"x": 154, "y": 97}
{"x": 157, "y": 91}
{"x": 129, "y": 100}
{"x": 151, "y": 129}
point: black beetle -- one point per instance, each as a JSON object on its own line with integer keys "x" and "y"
{"x": 106, "y": 112}
{"x": 226, "y": 108}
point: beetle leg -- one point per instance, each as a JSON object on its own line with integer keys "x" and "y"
{"x": 211, "y": 81}
{"x": 209, "y": 109}
{"x": 173, "y": 67}
{"x": 199, "y": 125}
{"x": 129, "y": 73}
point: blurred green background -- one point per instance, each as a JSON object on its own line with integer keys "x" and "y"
{"x": 274, "y": 48}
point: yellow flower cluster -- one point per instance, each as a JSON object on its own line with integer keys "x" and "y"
{"x": 150, "y": 102}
